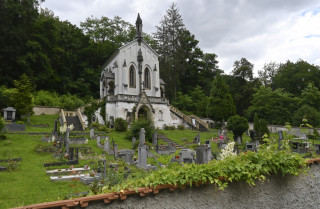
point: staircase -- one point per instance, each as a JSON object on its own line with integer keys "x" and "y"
{"x": 167, "y": 140}
{"x": 200, "y": 125}
{"x": 75, "y": 121}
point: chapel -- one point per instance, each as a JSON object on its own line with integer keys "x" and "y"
{"x": 130, "y": 84}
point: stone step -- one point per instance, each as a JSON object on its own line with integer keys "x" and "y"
{"x": 167, "y": 140}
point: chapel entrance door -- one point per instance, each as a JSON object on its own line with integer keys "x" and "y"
{"x": 144, "y": 113}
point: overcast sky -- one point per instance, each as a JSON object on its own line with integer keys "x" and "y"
{"x": 259, "y": 30}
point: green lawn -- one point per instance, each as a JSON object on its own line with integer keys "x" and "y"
{"x": 30, "y": 184}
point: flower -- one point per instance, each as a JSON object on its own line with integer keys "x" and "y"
{"x": 63, "y": 129}
{"x": 228, "y": 151}
{"x": 71, "y": 127}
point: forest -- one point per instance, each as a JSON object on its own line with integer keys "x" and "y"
{"x": 47, "y": 61}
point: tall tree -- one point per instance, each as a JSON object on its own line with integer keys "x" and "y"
{"x": 276, "y": 107}
{"x": 293, "y": 77}
{"x": 267, "y": 74}
{"x": 220, "y": 106}
{"x": 167, "y": 36}
{"x": 23, "y": 98}
{"x": 243, "y": 69}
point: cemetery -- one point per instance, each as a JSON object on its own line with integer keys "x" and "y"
{"x": 108, "y": 116}
{"x": 108, "y": 160}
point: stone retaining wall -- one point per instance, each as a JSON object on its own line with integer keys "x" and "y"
{"x": 279, "y": 192}
{"x": 39, "y": 110}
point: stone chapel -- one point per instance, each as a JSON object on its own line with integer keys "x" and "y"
{"x": 131, "y": 85}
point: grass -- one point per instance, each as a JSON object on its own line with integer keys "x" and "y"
{"x": 30, "y": 184}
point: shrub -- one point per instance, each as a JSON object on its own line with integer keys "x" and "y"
{"x": 181, "y": 127}
{"x": 2, "y": 125}
{"x": 238, "y": 125}
{"x": 166, "y": 127}
{"x": 120, "y": 124}
{"x": 308, "y": 112}
{"x": 135, "y": 129}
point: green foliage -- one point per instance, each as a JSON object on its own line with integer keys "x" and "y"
{"x": 311, "y": 96}
{"x": 260, "y": 126}
{"x": 308, "y": 112}
{"x": 220, "y": 106}
{"x": 167, "y": 127}
{"x": 23, "y": 97}
{"x": 275, "y": 107}
{"x": 2, "y": 124}
{"x": 238, "y": 125}
{"x": 247, "y": 167}
{"x": 120, "y": 124}
{"x": 90, "y": 110}
{"x": 135, "y": 129}
{"x": 294, "y": 77}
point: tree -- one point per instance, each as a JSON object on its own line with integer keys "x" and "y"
{"x": 167, "y": 36}
{"x": 220, "y": 106}
{"x": 276, "y": 107}
{"x": 311, "y": 96}
{"x": 267, "y": 74}
{"x": 294, "y": 77}
{"x": 308, "y": 112}
{"x": 260, "y": 126}
{"x": 23, "y": 97}
{"x": 238, "y": 125}
{"x": 243, "y": 69}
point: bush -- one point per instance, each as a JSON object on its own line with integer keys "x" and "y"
{"x": 120, "y": 124}
{"x": 166, "y": 127}
{"x": 135, "y": 129}
{"x": 308, "y": 112}
{"x": 181, "y": 127}
{"x": 238, "y": 125}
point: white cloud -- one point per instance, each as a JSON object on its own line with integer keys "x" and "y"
{"x": 261, "y": 31}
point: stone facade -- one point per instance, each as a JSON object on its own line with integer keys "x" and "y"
{"x": 131, "y": 85}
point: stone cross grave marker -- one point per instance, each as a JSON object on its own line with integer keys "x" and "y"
{"x": 142, "y": 156}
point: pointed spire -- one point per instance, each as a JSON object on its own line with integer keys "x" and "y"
{"x": 139, "y": 29}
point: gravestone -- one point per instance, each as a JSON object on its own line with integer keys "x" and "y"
{"x": 71, "y": 152}
{"x": 142, "y": 150}
{"x": 106, "y": 146}
{"x": 317, "y": 148}
{"x": 203, "y": 154}
{"x": 295, "y": 146}
{"x": 115, "y": 149}
{"x": 238, "y": 140}
{"x": 187, "y": 155}
{"x": 251, "y": 147}
{"x": 127, "y": 155}
{"x": 91, "y": 133}
{"x": 197, "y": 139}
{"x": 98, "y": 141}
{"x": 208, "y": 143}
{"x": 154, "y": 138}
{"x": 104, "y": 163}
{"x": 142, "y": 137}
{"x": 133, "y": 142}
{"x": 222, "y": 145}
{"x": 280, "y": 133}
{"x": 142, "y": 156}
{"x": 55, "y": 129}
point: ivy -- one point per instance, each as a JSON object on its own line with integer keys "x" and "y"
{"x": 249, "y": 167}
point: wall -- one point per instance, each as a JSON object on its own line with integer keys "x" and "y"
{"x": 280, "y": 192}
{"x": 296, "y": 131}
{"x": 39, "y": 110}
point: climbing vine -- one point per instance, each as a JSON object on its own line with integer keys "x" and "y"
{"x": 248, "y": 167}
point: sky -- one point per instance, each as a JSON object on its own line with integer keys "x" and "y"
{"x": 261, "y": 31}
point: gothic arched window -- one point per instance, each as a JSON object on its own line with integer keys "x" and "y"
{"x": 132, "y": 77}
{"x": 147, "y": 79}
